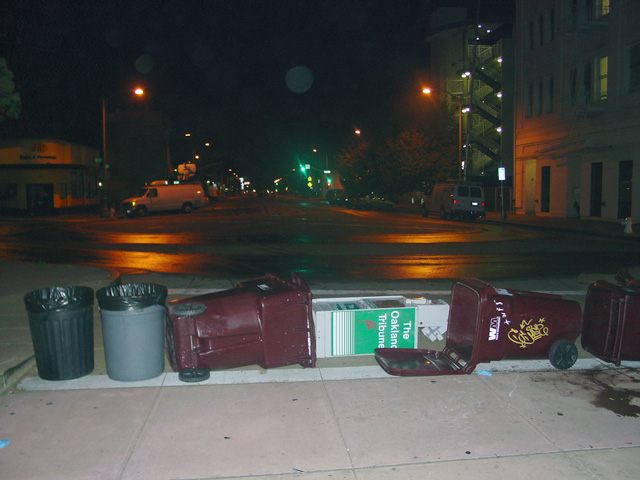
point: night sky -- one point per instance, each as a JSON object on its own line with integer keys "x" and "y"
{"x": 263, "y": 81}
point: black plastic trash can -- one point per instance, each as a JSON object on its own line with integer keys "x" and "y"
{"x": 61, "y": 324}
{"x": 133, "y": 318}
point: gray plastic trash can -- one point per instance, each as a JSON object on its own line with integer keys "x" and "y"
{"x": 61, "y": 324}
{"x": 133, "y": 318}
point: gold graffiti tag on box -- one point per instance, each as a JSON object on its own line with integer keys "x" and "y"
{"x": 528, "y": 333}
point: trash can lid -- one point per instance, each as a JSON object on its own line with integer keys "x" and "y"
{"x": 131, "y": 296}
{"x": 58, "y": 298}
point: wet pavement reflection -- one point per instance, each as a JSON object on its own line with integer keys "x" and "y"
{"x": 249, "y": 238}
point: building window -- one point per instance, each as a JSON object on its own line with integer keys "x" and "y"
{"x": 528, "y": 100}
{"x": 601, "y": 74}
{"x": 8, "y": 191}
{"x": 63, "y": 191}
{"x": 552, "y": 25}
{"x": 548, "y": 101}
{"x": 538, "y": 98}
{"x": 634, "y": 68}
{"x": 600, "y": 8}
{"x": 530, "y": 36}
{"x": 573, "y": 86}
{"x": 587, "y": 84}
{"x": 541, "y": 38}
{"x": 625, "y": 181}
{"x": 574, "y": 13}
{"x": 76, "y": 185}
{"x": 545, "y": 189}
{"x": 91, "y": 189}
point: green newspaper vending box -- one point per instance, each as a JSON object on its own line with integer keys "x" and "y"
{"x": 357, "y": 326}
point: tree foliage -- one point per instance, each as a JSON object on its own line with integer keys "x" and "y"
{"x": 424, "y": 152}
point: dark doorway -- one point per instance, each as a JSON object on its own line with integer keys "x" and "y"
{"x": 545, "y": 189}
{"x": 596, "y": 190}
{"x": 624, "y": 188}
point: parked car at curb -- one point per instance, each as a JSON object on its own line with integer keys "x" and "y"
{"x": 375, "y": 201}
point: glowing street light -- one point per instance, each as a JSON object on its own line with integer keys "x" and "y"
{"x": 427, "y": 91}
{"x": 103, "y": 200}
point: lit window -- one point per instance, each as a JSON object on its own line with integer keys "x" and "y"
{"x": 600, "y": 8}
{"x": 601, "y": 76}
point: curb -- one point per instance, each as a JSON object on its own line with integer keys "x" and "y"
{"x": 14, "y": 375}
{"x": 412, "y": 209}
{"x": 550, "y": 228}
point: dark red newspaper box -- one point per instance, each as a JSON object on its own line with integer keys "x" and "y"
{"x": 611, "y": 328}
{"x": 266, "y": 321}
{"x": 486, "y": 324}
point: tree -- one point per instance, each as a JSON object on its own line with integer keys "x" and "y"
{"x": 10, "y": 104}
{"x": 418, "y": 155}
{"x": 424, "y": 152}
{"x": 355, "y": 166}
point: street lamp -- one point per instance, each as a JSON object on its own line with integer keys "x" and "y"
{"x": 427, "y": 91}
{"x": 103, "y": 200}
{"x": 194, "y": 155}
{"x": 326, "y": 181}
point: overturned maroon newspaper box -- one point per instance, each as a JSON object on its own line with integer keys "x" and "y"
{"x": 611, "y": 329}
{"x": 266, "y": 321}
{"x": 486, "y": 324}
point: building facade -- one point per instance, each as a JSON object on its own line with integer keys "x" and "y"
{"x": 577, "y": 131}
{"x": 41, "y": 176}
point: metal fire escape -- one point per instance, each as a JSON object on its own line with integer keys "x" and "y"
{"x": 486, "y": 119}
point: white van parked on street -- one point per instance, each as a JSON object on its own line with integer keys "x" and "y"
{"x": 159, "y": 198}
{"x": 464, "y": 200}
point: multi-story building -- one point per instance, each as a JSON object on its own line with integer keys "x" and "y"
{"x": 472, "y": 59}
{"x": 577, "y": 130}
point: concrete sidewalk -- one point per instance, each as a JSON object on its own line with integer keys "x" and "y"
{"x": 553, "y": 425}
